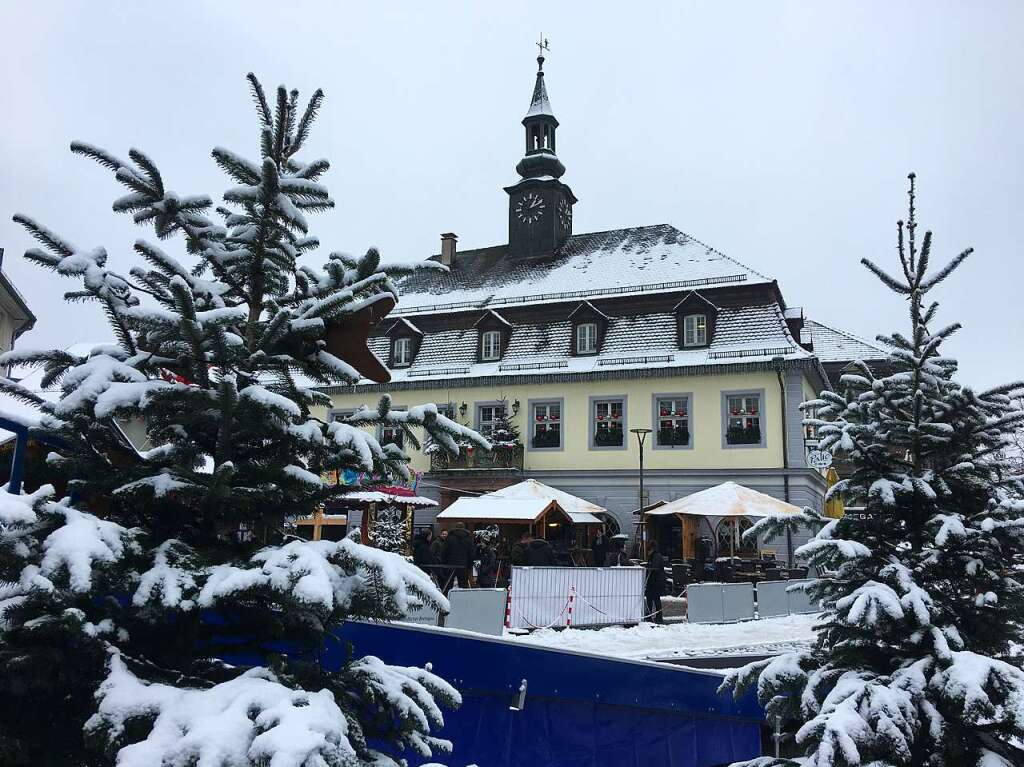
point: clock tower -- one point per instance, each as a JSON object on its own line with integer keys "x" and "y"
{"x": 539, "y": 204}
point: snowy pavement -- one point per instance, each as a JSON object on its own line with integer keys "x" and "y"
{"x": 681, "y": 640}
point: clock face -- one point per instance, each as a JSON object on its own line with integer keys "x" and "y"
{"x": 530, "y": 208}
{"x": 565, "y": 214}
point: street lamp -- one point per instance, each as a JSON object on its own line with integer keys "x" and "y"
{"x": 641, "y": 436}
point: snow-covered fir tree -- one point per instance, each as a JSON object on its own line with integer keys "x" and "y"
{"x": 504, "y": 434}
{"x": 388, "y": 530}
{"x": 119, "y": 602}
{"x": 922, "y": 589}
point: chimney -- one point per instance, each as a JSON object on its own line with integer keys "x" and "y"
{"x": 448, "y": 242}
{"x": 795, "y": 321}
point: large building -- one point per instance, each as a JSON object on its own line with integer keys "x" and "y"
{"x": 580, "y": 338}
{"x": 15, "y": 316}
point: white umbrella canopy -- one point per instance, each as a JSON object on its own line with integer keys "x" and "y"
{"x": 725, "y": 501}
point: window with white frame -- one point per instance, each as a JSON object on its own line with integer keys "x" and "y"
{"x": 339, "y": 414}
{"x": 695, "y": 330}
{"x": 401, "y": 353}
{"x": 743, "y": 419}
{"x": 810, "y": 429}
{"x": 586, "y": 338}
{"x": 487, "y": 417}
{"x": 391, "y": 435}
{"x": 608, "y": 423}
{"x": 490, "y": 345}
{"x": 673, "y": 419}
{"x": 547, "y": 425}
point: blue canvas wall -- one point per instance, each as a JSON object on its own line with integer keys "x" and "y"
{"x": 580, "y": 710}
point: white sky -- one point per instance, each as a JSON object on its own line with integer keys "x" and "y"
{"x": 779, "y": 133}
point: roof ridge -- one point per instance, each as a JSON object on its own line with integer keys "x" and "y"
{"x": 851, "y": 336}
{"x": 723, "y": 255}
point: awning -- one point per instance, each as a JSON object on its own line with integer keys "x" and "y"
{"x": 580, "y": 511}
{"x": 514, "y": 511}
{"x": 726, "y": 500}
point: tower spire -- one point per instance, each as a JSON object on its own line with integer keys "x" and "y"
{"x": 540, "y": 205}
{"x": 539, "y": 104}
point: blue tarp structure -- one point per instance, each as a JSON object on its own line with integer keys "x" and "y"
{"x": 580, "y": 710}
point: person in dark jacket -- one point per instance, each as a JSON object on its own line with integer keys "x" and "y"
{"x": 487, "y": 569}
{"x": 437, "y": 546}
{"x": 539, "y": 553}
{"x": 600, "y": 548}
{"x": 655, "y": 586}
{"x": 422, "y": 548}
{"x": 458, "y": 554}
{"x": 519, "y": 550}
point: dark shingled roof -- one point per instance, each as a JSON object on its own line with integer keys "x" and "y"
{"x": 621, "y": 261}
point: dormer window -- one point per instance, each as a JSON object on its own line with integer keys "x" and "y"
{"x": 490, "y": 346}
{"x": 402, "y": 352}
{"x": 589, "y": 325}
{"x": 405, "y": 342}
{"x": 695, "y": 330}
{"x": 586, "y": 338}
{"x": 695, "y": 321}
{"x": 493, "y": 335}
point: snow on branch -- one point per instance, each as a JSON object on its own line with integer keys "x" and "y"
{"x": 252, "y": 719}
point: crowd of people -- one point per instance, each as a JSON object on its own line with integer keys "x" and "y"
{"x": 451, "y": 556}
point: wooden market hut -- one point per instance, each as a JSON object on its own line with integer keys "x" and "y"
{"x": 331, "y": 522}
{"x": 721, "y": 513}
{"x": 511, "y": 515}
{"x": 587, "y": 518}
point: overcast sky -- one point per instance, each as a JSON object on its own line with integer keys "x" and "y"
{"x": 779, "y": 133}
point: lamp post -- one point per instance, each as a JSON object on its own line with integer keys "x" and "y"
{"x": 641, "y": 436}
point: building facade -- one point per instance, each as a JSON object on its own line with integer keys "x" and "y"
{"x": 578, "y": 339}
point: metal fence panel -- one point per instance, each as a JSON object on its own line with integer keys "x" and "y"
{"x": 704, "y": 603}
{"x": 799, "y": 602}
{"x": 772, "y": 599}
{"x": 481, "y": 610}
{"x": 601, "y": 596}
{"x": 737, "y": 601}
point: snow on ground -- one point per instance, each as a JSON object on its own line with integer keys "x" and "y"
{"x": 680, "y": 640}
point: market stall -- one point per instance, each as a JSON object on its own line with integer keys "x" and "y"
{"x": 331, "y": 522}
{"x": 543, "y": 518}
{"x": 587, "y": 518}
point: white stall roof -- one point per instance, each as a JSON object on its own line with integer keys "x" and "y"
{"x": 487, "y": 509}
{"x": 582, "y": 512}
{"x": 727, "y": 500}
{"x": 376, "y": 496}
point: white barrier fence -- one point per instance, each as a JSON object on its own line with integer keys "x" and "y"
{"x": 728, "y": 602}
{"x": 543, "y": 597}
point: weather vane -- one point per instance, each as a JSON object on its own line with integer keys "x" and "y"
{"x": 542, "y": 45}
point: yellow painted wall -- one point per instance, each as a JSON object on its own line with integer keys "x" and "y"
{"x": 705, "y": 420}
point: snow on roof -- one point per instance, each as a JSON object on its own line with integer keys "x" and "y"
{"x": 579, "y": 510}
{"x": 375, "y": 496}
{"x": 746, "y": 333}
{"x": 618, "y": 262}
{"x": 539, "y": 102}
{"x": 727, "y": 500}
{"x": 490, "y": 509}
{"x": 833, "y": 345}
